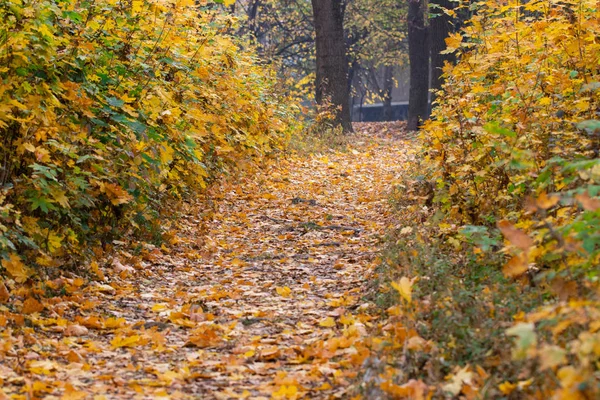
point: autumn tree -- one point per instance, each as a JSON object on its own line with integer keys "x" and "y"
{"x": 332, "y": 66}
{"x": 418, "y": 52}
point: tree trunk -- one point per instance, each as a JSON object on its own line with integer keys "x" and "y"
{"x": 332, "y": 66}
{"x": 440, "y": 26}
{"x": 388, "y": 86}
{"x": 418, "y": 54}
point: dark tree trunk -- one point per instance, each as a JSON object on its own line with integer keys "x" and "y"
{"x": 418, "y": 54}
{"x": 332, "y": 66}
{"x": 440, "y": 27}
{"x": 388, "y": 86}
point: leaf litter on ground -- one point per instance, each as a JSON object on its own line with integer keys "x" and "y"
{"x": 260, "y": 295}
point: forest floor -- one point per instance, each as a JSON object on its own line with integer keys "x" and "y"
{"x": 260, "y": 295}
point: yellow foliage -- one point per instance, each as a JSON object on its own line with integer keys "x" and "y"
{"x": 113, "y": 108}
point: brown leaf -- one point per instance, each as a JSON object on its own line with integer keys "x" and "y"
{"x": 76, "y": 330}
{"x": 588, "y": 203}
{"x": 515, "y": 236}
{"x": 4, "y": 293}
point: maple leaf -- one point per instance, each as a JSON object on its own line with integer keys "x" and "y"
{"x": 515, "y": 236}
{"x": 15, "y": 267}
{"x": 205, "y": 336}
{"x": 125, "y": 341}
{"x": 31, "y": 305}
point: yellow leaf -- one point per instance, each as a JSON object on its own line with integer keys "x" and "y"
{"x": 129, "y": 341}
{"x": 16, "y": 268}
{"x": 228, "y": 2}
{"x": 4, "y": 293}
{"x": 160, "y": 307}
{"x": 284, "y": 291}
{"x": 286, "y": 392}
{"x": 545, "y": 101}
{"x": 404, "y": 288}
{"x": 507, "y": 387}
{"x": 236, "y": 262}
{"x": 328, "y": 322}
{"x": 136, "y": 6}
{"x": 463, "y": 376}
{"x": 552, "y": 356}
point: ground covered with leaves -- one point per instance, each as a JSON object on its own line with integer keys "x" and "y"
{"x": 257, "y": 293}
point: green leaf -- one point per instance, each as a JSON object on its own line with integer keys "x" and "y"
{"x": 42, "y": 203}
{"x": 114, "y": 102}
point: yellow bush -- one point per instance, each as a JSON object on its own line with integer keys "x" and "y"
{"x": 514, "y": 142}
{"x": 108, "y": 108}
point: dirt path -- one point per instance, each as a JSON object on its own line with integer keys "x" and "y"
{"x": 262, "y": 301}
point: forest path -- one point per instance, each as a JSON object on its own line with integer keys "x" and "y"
{"x": 260, "y": 298}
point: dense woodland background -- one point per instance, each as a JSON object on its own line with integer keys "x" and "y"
{"x": 111, "y": 112}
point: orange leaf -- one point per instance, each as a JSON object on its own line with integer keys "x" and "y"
{"x": 204, "y": 336}
{"x": 516, "y": 266}
{"x": 515, "y": 236}
{"x": 545, "y": 202}
{"x": 31, "y": 306}
{"x": 4, "y": 293}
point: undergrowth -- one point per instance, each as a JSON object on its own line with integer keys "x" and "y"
{"x": 493, "y": 267}
{"x": 111, "y": 112}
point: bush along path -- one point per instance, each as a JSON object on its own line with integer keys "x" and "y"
{"x": 260, "y": 295}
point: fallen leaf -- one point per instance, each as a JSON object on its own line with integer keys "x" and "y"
{"x": 76, "y": 330}
{"x": 4, "y": 293}
{"x": 328, "y": 322}
{"x": 515, "y": 236}
{"x": 31, "y": 306}
{"x": 205, "y": 336}
{"x": 104, "y": 288}
{"x": 125, "y": 341}
{"x": 588, "y": 203}
{"x": 462, "y": 377}
{"x": 74, "y": 357}
{"x": 551, "y": 356}
{"x": 284, "y": 291}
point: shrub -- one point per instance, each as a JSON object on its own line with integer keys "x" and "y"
{"x": 110, "y": 108}
{"x": 512, "y": 148}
